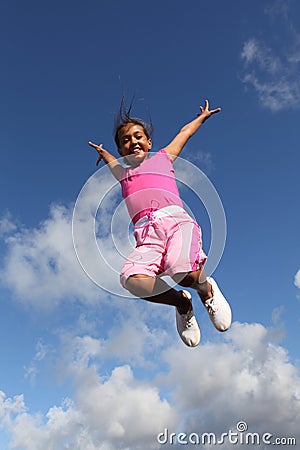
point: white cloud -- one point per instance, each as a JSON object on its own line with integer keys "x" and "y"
{"x": 131, "y": 410}
{"x": 128, "y": 343}
{"x": 272, "y": 70}
{"x": 277, "y": 314}
{"x": 137, "y": 333}
{"x": 297, "y": 279}
{"x": 256, "y": 52}
{"x": 40, "y": 266}
{"x": 118, "y": 412}
{"x": 244, "y": 376}
{"x": 275, "y": 94}
{"x": 34, "y": 432}
{"x": 41, "y": 352}
{"x": 7, "y": 225}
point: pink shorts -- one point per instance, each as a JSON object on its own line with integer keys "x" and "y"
{"x": 167, "y": 243}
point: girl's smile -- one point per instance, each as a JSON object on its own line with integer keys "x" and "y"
{"x": 134, "y": 144}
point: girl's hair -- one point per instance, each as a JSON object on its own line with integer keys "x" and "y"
{"x": 123, "y": 118}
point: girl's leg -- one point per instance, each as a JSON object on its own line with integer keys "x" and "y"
{"x": 212, "y": 298}
{"x": 196, "y": 280}
{"x": 156, "y": 290}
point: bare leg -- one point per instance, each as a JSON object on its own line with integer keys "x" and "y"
{"x": 196, "y": 280}
{"x": 156, "y": 290}
{"x": 218, "y": 308}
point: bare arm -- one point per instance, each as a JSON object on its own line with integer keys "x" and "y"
{"x": 114, "y": 165}
{"x": 188, "y": 130}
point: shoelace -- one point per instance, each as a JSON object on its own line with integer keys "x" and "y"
{"x": 188, "y": 318}
{"x": 211, "y": 306}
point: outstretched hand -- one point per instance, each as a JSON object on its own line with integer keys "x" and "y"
{"x": 99, "y": 149}
{"x": 206, "y": 112}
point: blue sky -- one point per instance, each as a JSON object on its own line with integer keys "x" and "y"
{"x": 82, "y": 368}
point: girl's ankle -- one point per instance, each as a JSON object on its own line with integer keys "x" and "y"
{"x": 185, "y": 305}
{"x": 205, "y": 291}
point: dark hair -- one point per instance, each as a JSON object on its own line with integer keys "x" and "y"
{"x": 123, "y": 118}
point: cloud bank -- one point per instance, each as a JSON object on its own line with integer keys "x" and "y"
{"x": 243, "y": 377}
{"x": 40, "y": 267}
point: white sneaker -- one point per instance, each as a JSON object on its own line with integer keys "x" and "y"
{"x": 187, "y": 325}
{"x": 218, "y": 308}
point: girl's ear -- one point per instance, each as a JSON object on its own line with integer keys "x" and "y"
{"x": 150, "y": 143}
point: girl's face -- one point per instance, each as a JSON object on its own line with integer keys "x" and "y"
{"x": 134, "y": 143}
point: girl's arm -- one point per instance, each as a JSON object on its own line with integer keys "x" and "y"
{"x": 186, "y": 132}
{"x": 114, "y": 165}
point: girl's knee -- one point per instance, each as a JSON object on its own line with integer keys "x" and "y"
{"x": 139, "y": 285}
{"x": 188, "y": 279}
{"x": 195, "y": 280}
{"x": 131, "y": 283}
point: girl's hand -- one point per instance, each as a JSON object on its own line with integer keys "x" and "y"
{"x": 206, "y": 112}
{"x": 99, "y": 149}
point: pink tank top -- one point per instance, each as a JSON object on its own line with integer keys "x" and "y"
{"x": 150, "y": 186}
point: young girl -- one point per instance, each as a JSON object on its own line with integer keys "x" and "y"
{"x": 168, "y": 240}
